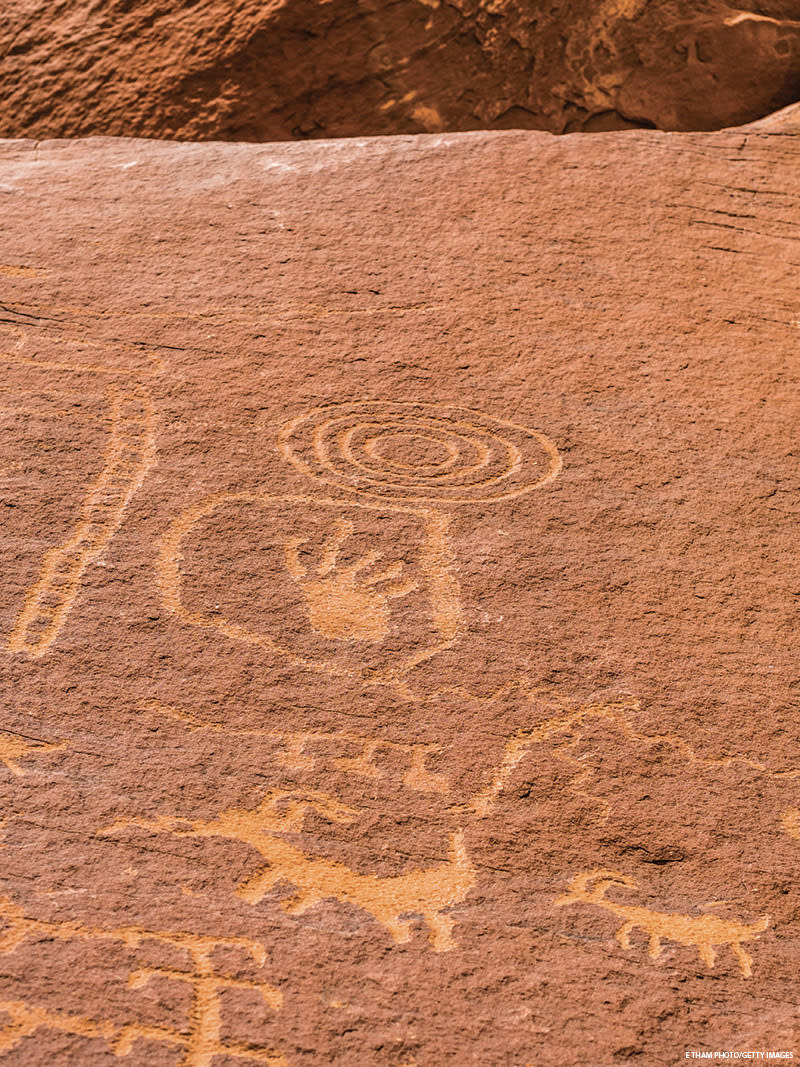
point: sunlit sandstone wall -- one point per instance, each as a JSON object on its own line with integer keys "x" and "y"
{"x": 398, "y": 600}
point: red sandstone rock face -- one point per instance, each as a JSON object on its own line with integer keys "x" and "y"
{"x": 298, "y": 68}
{"x": 398, "y": 601}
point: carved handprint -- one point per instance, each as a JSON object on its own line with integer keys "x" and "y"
{"x": 347, "y": 603}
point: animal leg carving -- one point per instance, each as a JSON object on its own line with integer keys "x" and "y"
{"x": 300, "y": 903}
{"x": 745, "y": 961}
{"x": 623, "y": 935}
{"x": 441, "y": 931}
{"x": 707, "y": 954}
{"x": 400, "y": 929}
{"x": 253, "y": 889}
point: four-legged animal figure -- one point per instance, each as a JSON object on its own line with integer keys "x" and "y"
{"x": 704, "y": 932}
{"x": 427, "y": 892}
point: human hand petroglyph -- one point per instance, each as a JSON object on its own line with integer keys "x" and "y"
{"x": 347, "y": 603}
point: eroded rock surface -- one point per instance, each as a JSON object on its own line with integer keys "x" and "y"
{"x": 398, "y": 601}
{"x": 299, "y": 69}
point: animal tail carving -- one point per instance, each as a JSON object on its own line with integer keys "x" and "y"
{"x": 457, "y": 853}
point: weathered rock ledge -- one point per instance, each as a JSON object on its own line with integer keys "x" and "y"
{"x": 289, "y": 69}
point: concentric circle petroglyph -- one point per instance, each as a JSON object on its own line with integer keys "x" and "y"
{"x": 416, "y": 451}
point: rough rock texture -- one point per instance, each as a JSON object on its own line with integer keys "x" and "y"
{"x": 303, "y": 68}
{"x": 398, "y": 600}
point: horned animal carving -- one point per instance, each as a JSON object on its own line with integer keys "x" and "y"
{"x": 704, "y": 932}
{"x": 425, "y": 892}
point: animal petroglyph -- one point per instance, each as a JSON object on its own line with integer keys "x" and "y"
{"x": 417, "y": 451}
{"x": 310, "y": 750}
{"x": 791, "y": 823}
{"x": 559, "y": 732}
{"x": 565, "y": 728}
{"x": 341, "y": 603}
{"x": 706, "y": 933}
{"x": 201, "y": 1041}
{"x": 129, "y": 456}
{"x": 351, "y": 602}
{"x": 389, "y": 900}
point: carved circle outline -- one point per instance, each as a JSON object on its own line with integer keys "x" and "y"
{"x": 319, "y": 443}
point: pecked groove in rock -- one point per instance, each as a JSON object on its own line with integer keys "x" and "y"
{"x": 301, "y": 69}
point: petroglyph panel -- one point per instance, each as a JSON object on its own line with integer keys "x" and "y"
{"x": 358, "y": 590}
{"x": 397, "y": 539}
{"x": 572, "y": 753}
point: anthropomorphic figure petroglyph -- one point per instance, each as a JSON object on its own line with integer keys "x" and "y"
{"x": 347, "y": 603}
{"x": 427, "y": 892}
{"x": 202, "y": 1040}
{"x": 704, "y": 932}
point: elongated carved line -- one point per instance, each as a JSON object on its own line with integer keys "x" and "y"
{"x": 130, "y": 454}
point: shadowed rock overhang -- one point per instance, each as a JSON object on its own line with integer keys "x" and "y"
{"x": 284, "y": 69}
